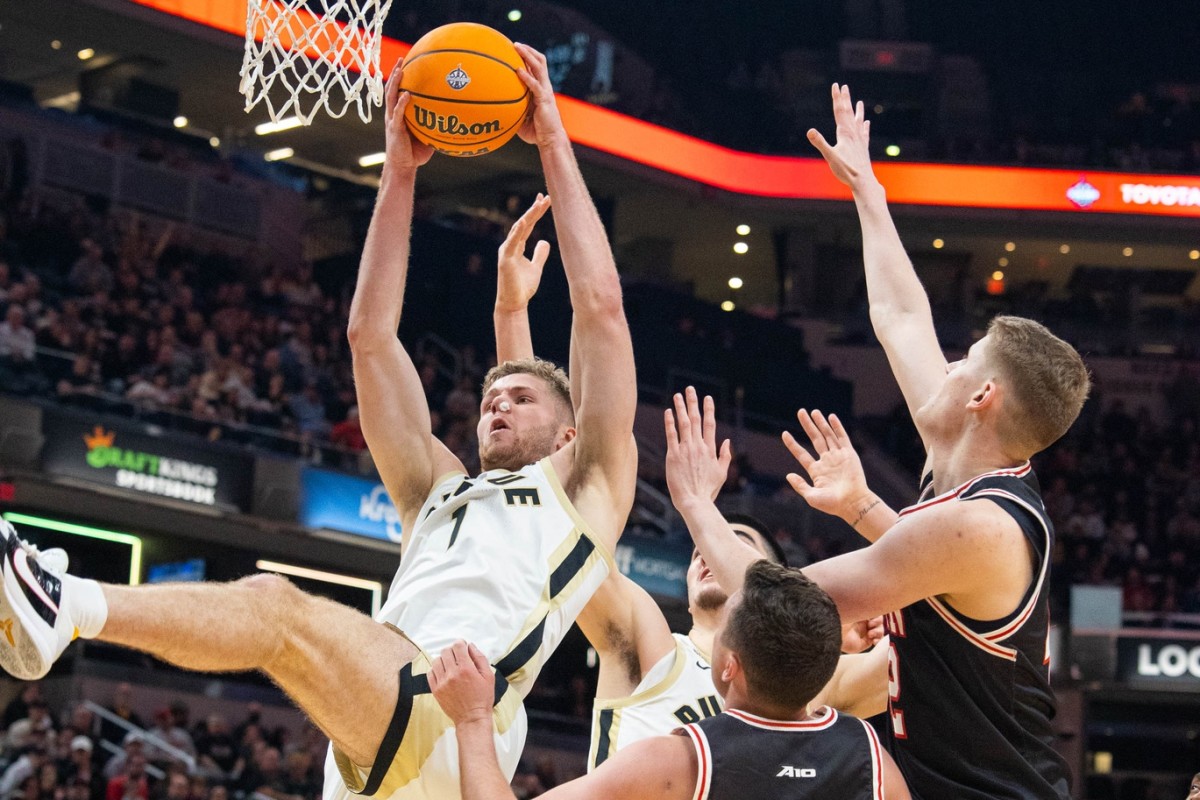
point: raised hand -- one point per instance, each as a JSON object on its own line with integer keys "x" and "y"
{"x": 520, "y": 276}
{"x": 838, "y": 485}
{"x": 403, "y": 151}
{"x": 543, "y": 126}
{"x": 461, "y": 680}
{"x": 850, "y": 158}
{"x": 696, "y": 468}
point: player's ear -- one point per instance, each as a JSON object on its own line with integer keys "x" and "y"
{"x": 566, "y": 433}
{"x": 984, "y": 396}
{"x": 732, "y": 667}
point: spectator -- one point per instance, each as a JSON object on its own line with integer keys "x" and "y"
{"x": 309, "y": 411}
{"x": 80, "y": 385}
{"x": 90, "y": 274}
{"x": 175, "y": 787}
{"x": 28, "y": 765}
{"x": 18, "y": 707}
{"x": 166, "y": 731}
{"x": 348, "y": 433}
{"x": 131, "y": 783}
{"x": 122, "y": 706}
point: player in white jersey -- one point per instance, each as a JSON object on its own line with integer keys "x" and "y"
{"x": 507, "y": 558}
{"x": 651, "y": 680}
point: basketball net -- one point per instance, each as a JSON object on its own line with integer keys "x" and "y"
{"x": 305, "y": 55}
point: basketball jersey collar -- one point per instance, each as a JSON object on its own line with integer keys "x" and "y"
{"x": 824, "y": 717}
{"x": 1016, "y": 472}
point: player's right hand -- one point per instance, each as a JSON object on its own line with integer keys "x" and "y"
{"x": 520, "y": 276}
{"x": 850, "y": 158}
{"x": 461, "y": 680}
{"x": 696, "y": 466}
{"x": 403, "y": 151}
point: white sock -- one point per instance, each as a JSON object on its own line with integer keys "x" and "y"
{"x": 88, "y": 607}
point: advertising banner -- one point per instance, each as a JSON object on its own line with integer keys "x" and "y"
{"x": 1159, "y": 661}
{"x": 658, "y": 567}
{"x": 113, "y": 452}
{"x": 347, "y": 503}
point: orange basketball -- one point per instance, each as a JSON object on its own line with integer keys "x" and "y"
{"x": 466, "y": 97}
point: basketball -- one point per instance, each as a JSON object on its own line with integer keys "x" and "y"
{"x": 466, "y": 97}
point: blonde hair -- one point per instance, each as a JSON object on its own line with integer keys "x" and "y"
{"x": 548, "y": 371}
{"x": 1046, "y": 379}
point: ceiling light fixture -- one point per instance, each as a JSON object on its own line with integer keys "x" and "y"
{"x": 285, "y": 124}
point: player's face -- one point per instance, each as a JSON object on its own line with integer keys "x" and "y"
{"x": 1194, "y": 792}
{"x": 519, "y": 423}
{"x": 947, "y": 409}
{"x": 704, "y": 593}
{"x": 720, "y": 652}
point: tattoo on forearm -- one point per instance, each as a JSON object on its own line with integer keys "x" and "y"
{"x": 862, "y": 514}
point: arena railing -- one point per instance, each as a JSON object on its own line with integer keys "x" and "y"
{"x": 145, "y": 735}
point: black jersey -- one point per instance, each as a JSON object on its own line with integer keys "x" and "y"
{"x": 970, "y": 702}
{"x": 741, "y": 756}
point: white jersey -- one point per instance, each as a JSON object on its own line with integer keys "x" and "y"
{"x": 502, "y": 560}
{"x": 677, "y": 691}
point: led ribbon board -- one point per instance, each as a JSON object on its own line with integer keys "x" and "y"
{"x": 789, "y": 177}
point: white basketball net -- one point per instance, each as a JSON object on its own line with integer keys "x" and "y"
{"x": 313, "y": 54}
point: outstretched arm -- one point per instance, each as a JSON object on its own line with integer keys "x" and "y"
{"x": 517, "y": 279}
{"x": 900, "y": 310}
{"x": 970, "y": 553}
{"x": 462, "y": 682}
{"x": 621, "y": 621}
{"x": 839, "y": 485}
{"x": 395, "y": 413}
{"x": 696, "y": 470}
{"x": 602, "y": 353}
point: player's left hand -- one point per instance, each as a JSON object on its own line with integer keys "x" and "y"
{"x": 519, "y": 275}
{"x": 543, "y": 126}
{"x": 696, "y": 467}
{"x": 862, "y": 635}
{"x": 839, "y": 484}
{"x": 403, "y": 151}
{"x": 461, "y": 680}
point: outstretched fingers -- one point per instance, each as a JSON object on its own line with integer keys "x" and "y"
{"x": 519, "y": 233}
{"x": 798, "y": 451}
{"x": 812, "y": 431}
{"x": 839, "y": 431}
{"x": 392, "y": 90}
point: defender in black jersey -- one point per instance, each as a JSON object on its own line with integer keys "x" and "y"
{"x": 778, "y": 644}
{"x": 965, "y": 572}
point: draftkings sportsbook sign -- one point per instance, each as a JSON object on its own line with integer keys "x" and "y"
{"x": 114, "y": 453}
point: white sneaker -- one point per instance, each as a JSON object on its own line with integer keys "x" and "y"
{"x": 34, "y": 631}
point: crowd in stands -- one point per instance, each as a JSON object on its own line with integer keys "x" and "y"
{"x": 73, "y": 753}
{"x": 104, "y": 313}
{"x": 1124, "y": 494}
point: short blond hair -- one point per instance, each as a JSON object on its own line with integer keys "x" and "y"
{"x": 1046, "y": 379}
{"x": 548, "y": 371}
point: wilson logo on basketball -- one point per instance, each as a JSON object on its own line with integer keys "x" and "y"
{"x": 451, "y": 125}
{"x": 458, "y": 79}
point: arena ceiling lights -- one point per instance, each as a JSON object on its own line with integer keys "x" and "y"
{"x": 945, "y": 185}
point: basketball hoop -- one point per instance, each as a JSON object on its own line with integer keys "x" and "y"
{"x": 313, "y": 54}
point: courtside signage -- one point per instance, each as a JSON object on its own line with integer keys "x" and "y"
{"x": 347, "y": 503}
{"x": 1159, "y": 661}
{"x": 120, "y": 454}
{"x": 657, "y": 567}
{"x": 790, "y": 177}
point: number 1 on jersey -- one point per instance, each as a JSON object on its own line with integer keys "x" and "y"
{"x": 457, "y": 516}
